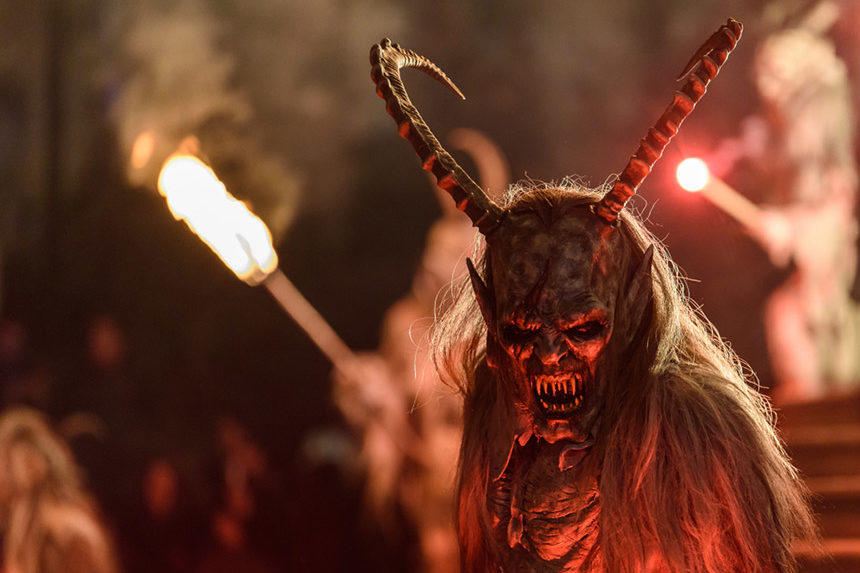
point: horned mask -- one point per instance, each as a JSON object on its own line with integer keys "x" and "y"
{"x": 559, "y": 271}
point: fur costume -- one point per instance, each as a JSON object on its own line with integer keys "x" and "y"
{"x": 606, "y": 426}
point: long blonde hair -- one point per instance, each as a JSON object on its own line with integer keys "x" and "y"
{"x": 44, "y": 511}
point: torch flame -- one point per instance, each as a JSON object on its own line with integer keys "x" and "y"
{"x": 693, "y": 174}
{"x": 196, "y": 195}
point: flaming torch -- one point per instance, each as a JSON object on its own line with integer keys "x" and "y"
{"x": 195, "y": 195}
{"x": 694, "y": 176}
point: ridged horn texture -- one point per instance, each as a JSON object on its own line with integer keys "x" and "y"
{"x": 700, "y": 70}
{"x": 386, "y": 60}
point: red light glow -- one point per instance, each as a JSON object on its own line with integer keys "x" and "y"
{"x": 692, "y": 174}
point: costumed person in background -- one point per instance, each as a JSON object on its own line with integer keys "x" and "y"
{"x": 401, "y": 393}
{"x": 606, "y": 426}
{"x": 48, "y": 521}
{"x": 805, "y": 155}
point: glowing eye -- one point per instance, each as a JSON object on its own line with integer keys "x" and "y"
{"x": 586, "y": 331}
{"x": 517, "y": 334}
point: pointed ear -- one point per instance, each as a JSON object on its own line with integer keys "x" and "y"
{"x": 639, "y": 291}
{"x": 486, "y": 300}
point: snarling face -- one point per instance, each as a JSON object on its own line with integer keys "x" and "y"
{"x": 555, "y": 279}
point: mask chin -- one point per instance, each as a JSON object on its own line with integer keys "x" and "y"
{"x": 556, "y": 430}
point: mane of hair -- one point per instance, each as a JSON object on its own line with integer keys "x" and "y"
{"x": 693, "y": 474}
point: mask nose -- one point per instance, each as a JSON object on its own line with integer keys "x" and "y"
{"x": 549, "y": 349}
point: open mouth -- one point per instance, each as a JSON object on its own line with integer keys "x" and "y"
{"x": 559, "y": 394}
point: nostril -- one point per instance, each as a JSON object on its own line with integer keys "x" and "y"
{"x": 549, "y": 350}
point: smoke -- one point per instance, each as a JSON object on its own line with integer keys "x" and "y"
{"x": 177, "y": 79}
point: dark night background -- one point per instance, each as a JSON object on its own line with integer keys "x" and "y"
{"x": 279, "y": 95}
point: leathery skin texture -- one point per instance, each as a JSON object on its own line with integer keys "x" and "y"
{"x": 556, "y": 272}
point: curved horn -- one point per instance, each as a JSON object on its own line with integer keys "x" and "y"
{"x": 386, "y": 60}
{"x": 700, "y": 70}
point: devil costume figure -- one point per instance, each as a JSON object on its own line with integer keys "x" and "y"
{"x": 606, "y": 426}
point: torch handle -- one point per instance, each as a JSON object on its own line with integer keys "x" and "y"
{"x": 333, "y": 346}
{"x": 733, "y": 203}
{"x": 310, "y": 320}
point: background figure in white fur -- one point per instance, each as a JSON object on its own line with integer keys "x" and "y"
{"x": 810, "y": 224}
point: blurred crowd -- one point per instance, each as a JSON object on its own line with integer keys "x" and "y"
{"x": 152, "y": 507}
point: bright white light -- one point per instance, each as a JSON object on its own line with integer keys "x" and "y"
{"x": 196, "y": 195}
{"x": 692, "y": 174}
